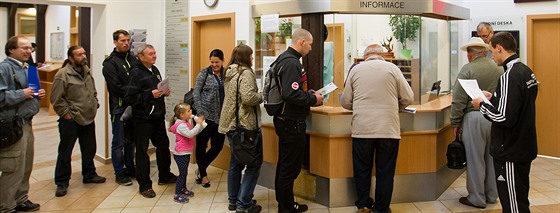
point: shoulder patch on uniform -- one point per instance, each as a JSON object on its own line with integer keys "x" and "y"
{"x": 295, "y": 85}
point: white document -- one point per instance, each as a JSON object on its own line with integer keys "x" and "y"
{"x": 163, "y": 85}
{"x": 471, "y": 88}
{"x": 327, "y": 89}
{"x": 410, "y": 110}
{"x": 270, "y": 23}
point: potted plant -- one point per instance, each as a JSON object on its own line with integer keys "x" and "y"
{"x": 404, "y": 28}
{"x": 285, "y": 29}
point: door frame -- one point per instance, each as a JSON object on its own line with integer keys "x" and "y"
{"x": 195, "y": 43}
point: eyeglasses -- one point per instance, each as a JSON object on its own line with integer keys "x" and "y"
{"x": 484, "y": 36}
{"x": 26, "y": 48}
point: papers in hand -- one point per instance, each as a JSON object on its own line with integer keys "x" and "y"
{"x": 471, "y": 88}
{"x": 163, "y": 85}
{"x": 327, "y": 89}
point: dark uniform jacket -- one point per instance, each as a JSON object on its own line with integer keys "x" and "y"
{"x": 290, "y": 76}
{"x": 116, "y": 70}
{"x": 139, "y": 93}
{"x": 514, "y": 135}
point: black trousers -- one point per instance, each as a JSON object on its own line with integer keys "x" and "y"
{"x": 291, "y": 145}
{"x": 154, "y": 130}
{"x": 385, "y": 152}
{"x": 70, "y": 131}
{"x": 512, "y": 180}
{"x": 204, "y": 158}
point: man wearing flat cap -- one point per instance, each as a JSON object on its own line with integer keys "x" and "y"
{"x": 473, "y": 128}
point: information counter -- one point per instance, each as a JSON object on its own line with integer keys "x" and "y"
{"x": 421, "y": 174}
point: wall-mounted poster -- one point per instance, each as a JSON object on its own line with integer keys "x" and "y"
{"x": 57, "y": 45}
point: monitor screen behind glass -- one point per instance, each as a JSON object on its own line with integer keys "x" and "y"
{"x": 434, "y": 92}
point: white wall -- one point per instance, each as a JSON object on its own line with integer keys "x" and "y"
{"x": 3, "y": 25}
{"x": 499, "y": 9}
{"x": 57, "y": 20}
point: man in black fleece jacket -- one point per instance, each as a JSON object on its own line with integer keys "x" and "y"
{"x": 148, "y": 116}
{"x": 512, "y": 113}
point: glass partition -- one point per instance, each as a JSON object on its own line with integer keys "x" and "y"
{"x": 431, "y": 52}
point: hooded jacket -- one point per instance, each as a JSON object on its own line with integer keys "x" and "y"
{"x": 249, "y": 99}
{"x": 116, "y": 70}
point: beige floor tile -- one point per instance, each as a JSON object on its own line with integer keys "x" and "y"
{"x": 543, "y": 186}
{"x": 86, "y": 203}
{"x": 124, "y": 191}
{"x": 196, "y": 207}
{"x": 115, "y": 202}
{"x": 450, "y": 194}
{"x": 136, "y": 210}
{"x": 222, "y": 187}
{"x": 537, "y": 198}
{"x": 348, "y": 209}
{"x": 462, "y": 190}
{"x": 456, "y": 206}
{"x": 219, "y": 208}
{"x": 167, "y": 200}
{"x": 221, "y": 197}
{"x": 403, "y": 207}
{"x": 109, "y": 210}
{"x": 261, "y": 194}
{"x": 140, "y": 201}
{"x": 431, "y": 206}
{"x": 175, "y": 208}
{"x": 555, "y": 208}
{"x": 56, "y": 204}
{"x": 202, "y": 197}
{"x": 555, "y": 195}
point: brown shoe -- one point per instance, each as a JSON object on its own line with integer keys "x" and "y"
{"x": 364, "y": 210}
{"x": 466, "y": 201}
{"x": 148, "y": 193}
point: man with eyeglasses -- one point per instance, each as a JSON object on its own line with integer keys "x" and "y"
{"x": 485, "y": 31}
{"x": 16, "y": 97}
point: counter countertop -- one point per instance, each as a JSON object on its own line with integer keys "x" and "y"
{"x": 437, "y": 105}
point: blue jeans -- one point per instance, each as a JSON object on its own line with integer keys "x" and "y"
{"x": 121, "y": 154}
{"x": 241, "y": 192}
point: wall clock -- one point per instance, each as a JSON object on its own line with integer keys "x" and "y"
{"x": 210, "y": 3}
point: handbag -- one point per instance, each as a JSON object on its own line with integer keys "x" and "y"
{"x": 246, "y": 145}
{"x": 11, "y": 126}
{"x": 456, "y": 156}
{"x": 10, "y": 131}
{"x": 189, "y": 96}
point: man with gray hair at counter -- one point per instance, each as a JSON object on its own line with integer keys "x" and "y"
{"x": 375, "y": 91}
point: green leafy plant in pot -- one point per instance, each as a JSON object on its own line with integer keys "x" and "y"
{"x": 285, "y": 29}
{"x": 404, "y": 28}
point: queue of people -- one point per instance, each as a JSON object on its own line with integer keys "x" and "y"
{"x": 227, "y": 98}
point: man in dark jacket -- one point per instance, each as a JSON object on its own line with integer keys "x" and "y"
{"x": 290, "y": 124}
{"x": 148, "y": 115}
{"x": 514, "y": 134}
{"x": 116, "y": 69}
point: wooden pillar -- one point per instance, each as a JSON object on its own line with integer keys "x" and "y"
{"x": 84, "y": 30}
{"x": 40, "y": 32}
{"x": 12, "y": 10}
{"x": 313, "y": 62}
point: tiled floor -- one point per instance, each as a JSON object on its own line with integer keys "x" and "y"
{"x": 110, "y": 197}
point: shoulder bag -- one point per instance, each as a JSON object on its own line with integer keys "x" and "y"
{"x": 189, "y": 97}
{"x": 11, "y": 125}
{"x": 246, "y": 145}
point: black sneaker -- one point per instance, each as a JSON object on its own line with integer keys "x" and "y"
{"x": 61, "y": 190}
{"x": 123, "y": 179}
{"x": 28, "y": 206}
{"x": 131, "y": 173}
{"x": 173, "y": 179}
{"x": 95, "y": 179}
{"x": 299, "y": 207}
{"x": 254, "y": 209}
{"x": 233, "y": 206}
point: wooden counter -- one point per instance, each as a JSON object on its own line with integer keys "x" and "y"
{"x": 46, "y": 76}
{"x": 420, "y": 163}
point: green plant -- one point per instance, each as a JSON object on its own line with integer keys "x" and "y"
{"x": 286, "y": 28}
{"x": 405, "y": 27}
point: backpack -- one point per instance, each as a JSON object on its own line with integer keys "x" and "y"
{"x": 456, "y": 157}
{"x": 272, "y": 91}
